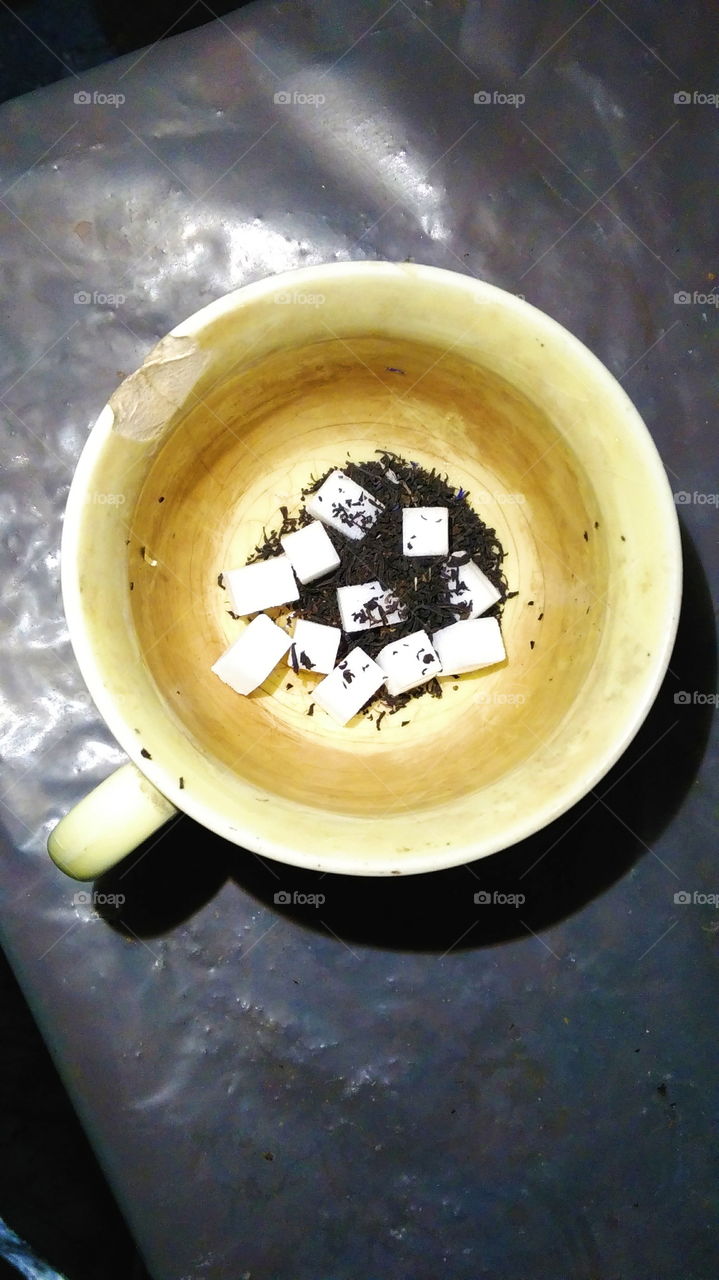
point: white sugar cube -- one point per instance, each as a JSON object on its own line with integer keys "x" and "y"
{"x": 469, "y": 645}
{"x": 261, "y": 585}
{"x": 425, "y": 531}
{"x": 368, "y": 605}
{"x": 352, "y": 683}
{"x": 409, "y": 662}
{"x": 310, "y": 552}
{"x": 314, "y": 646}
{"x": 468, "y": 585}
{"x": 344, "y": 505}
{"x": 253, "y": 655}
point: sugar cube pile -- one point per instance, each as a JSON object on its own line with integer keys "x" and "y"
{"x": 309, "y": 555}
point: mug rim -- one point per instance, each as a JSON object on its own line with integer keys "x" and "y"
{"x": 166, "y": 782}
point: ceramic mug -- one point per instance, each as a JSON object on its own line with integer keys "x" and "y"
{"x": 224, "y": 422}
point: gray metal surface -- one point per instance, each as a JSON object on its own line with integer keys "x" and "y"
{"x": 400, "y": 1082}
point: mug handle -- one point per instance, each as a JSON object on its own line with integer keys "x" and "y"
{"x": 108, "y": 824}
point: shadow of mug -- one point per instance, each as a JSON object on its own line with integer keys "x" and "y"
{"x": 530, "y": 886}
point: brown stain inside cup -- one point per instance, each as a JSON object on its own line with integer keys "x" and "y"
{"x": 248, "y": 448}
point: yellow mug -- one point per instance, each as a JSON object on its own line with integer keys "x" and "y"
{"x": 223, "y": 424}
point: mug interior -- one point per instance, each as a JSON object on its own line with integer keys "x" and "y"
{"x": 251, "y": 446}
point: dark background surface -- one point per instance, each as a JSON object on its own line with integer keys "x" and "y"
{"x": 52, "y": 1191}
{"x": 42, "y": 41}
{"x": 431, "y": 1087}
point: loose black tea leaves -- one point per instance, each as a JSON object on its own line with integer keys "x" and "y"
{"x": 421, "y": 585}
